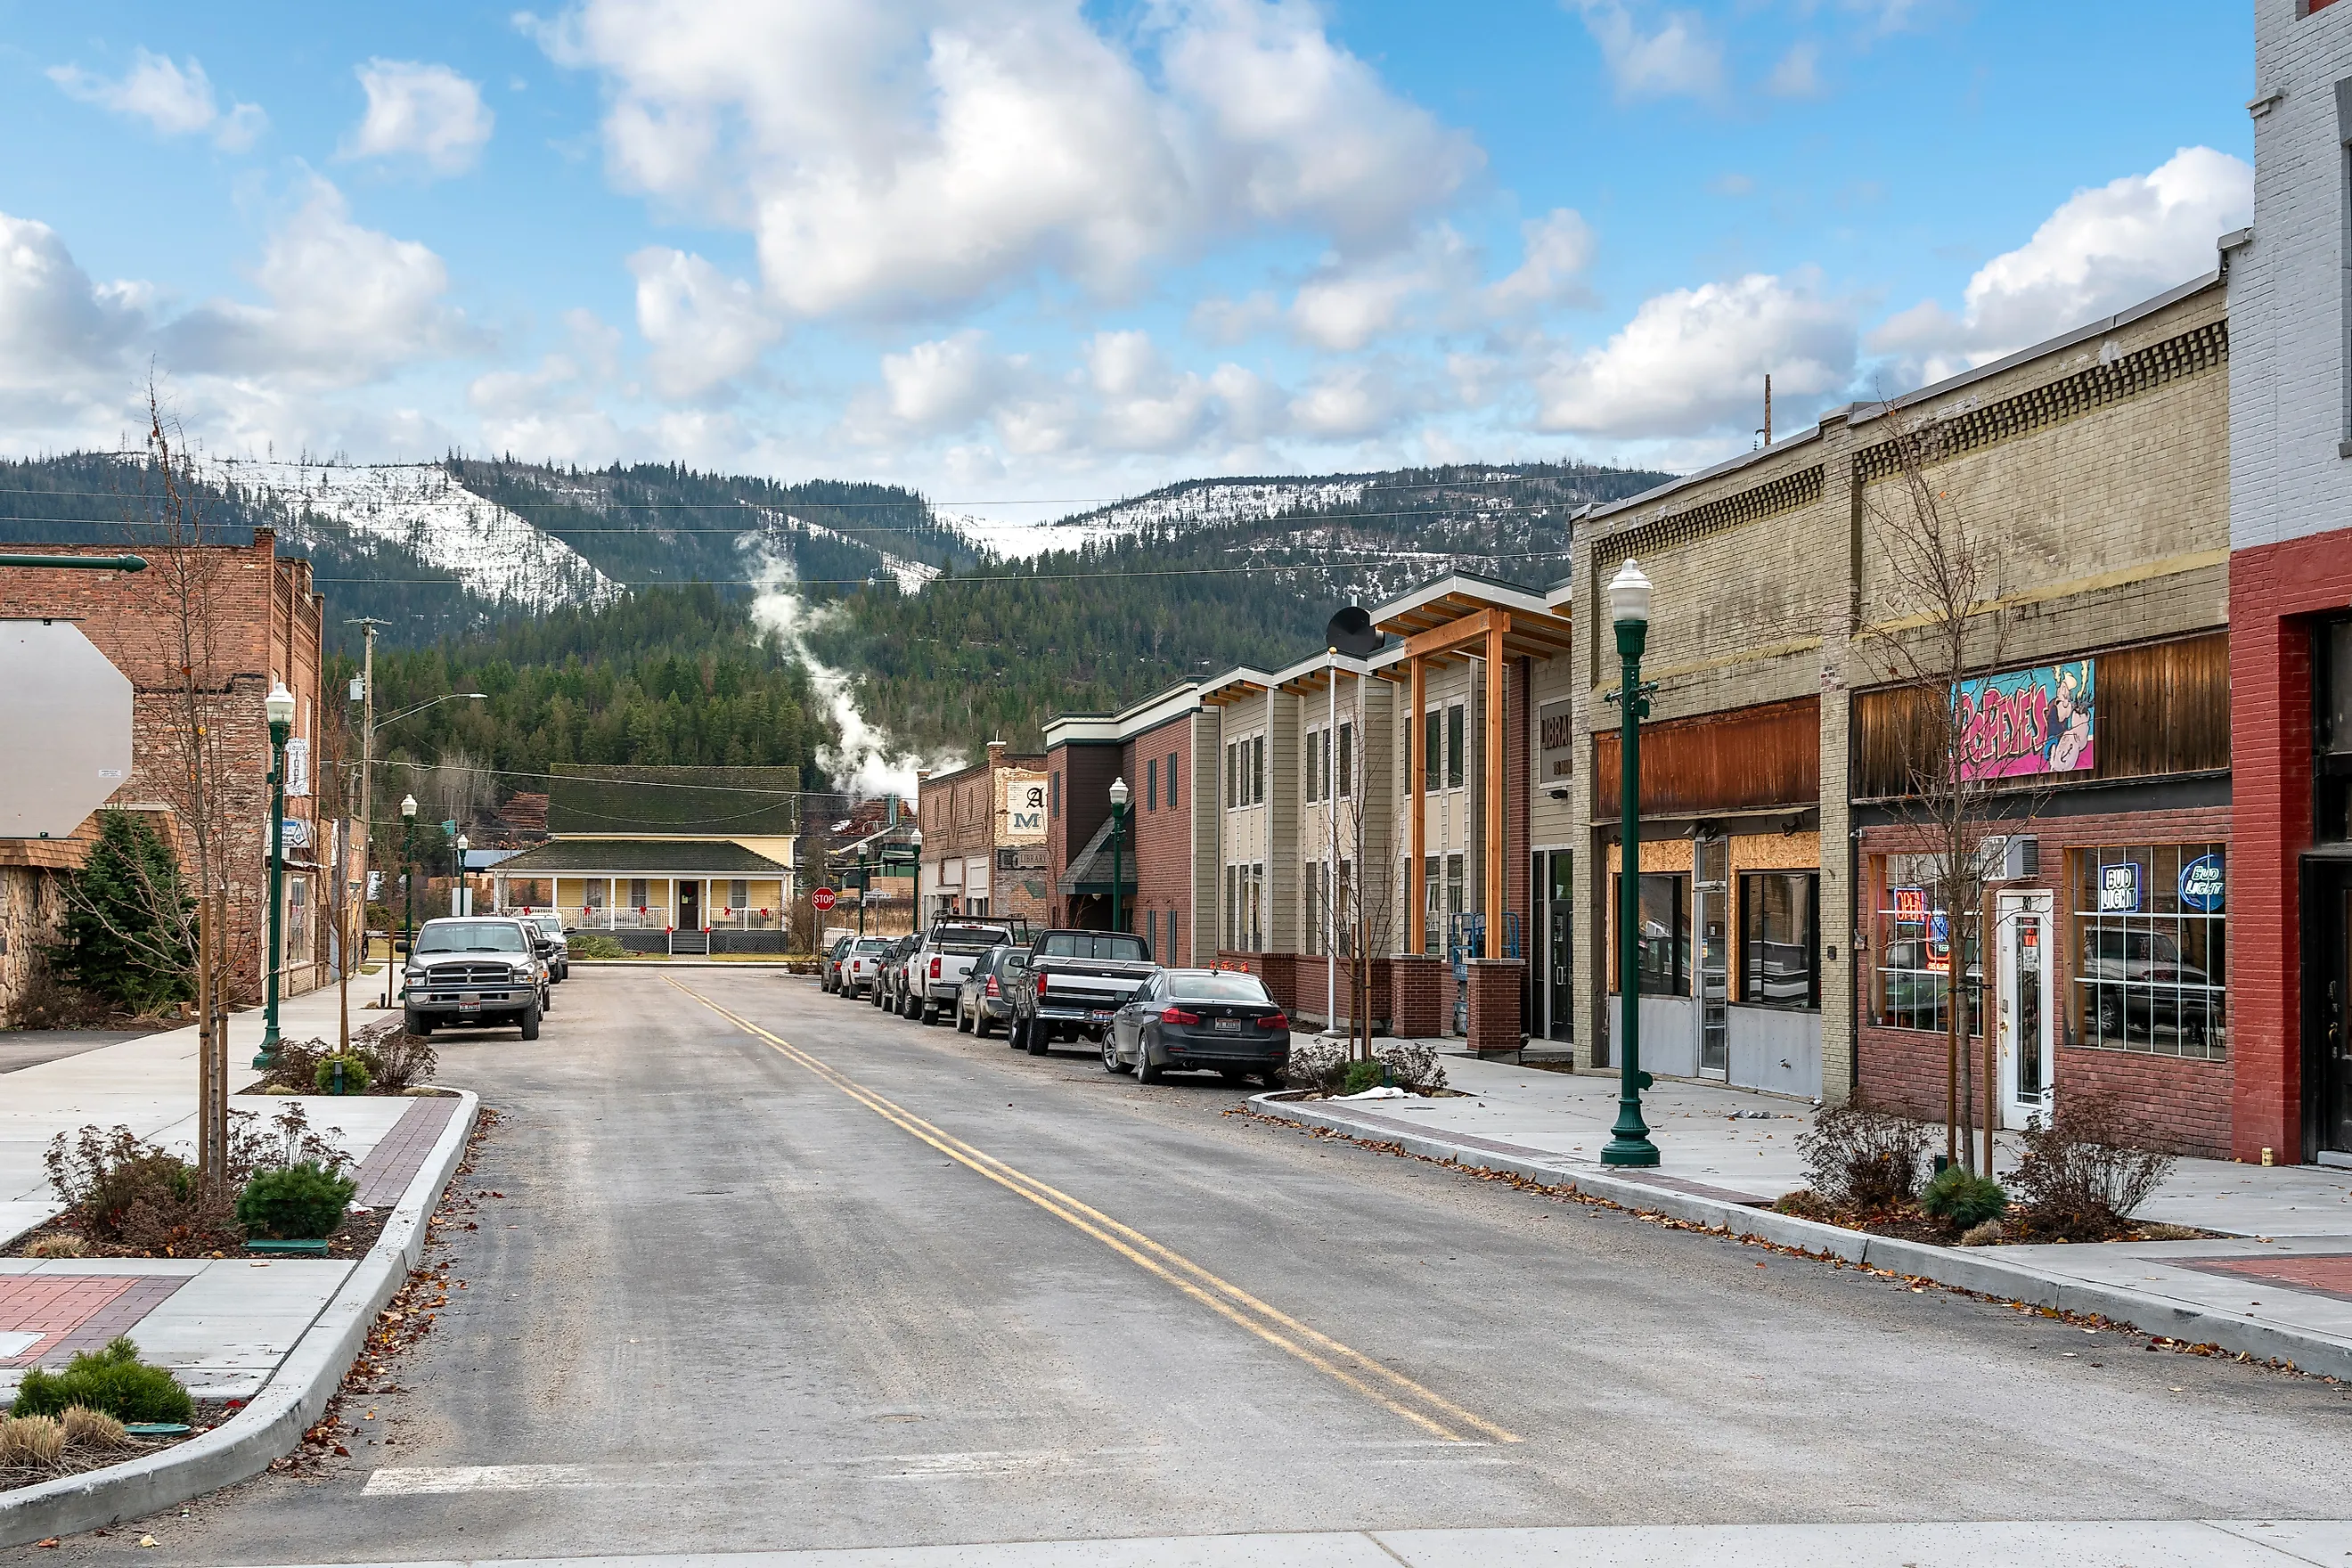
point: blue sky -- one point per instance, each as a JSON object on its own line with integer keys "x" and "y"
{"x": 1019, "y": 251}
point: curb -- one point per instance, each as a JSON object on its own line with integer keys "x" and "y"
{"x": 1970, "y": 1270}
{"x": 288, "y": 1403}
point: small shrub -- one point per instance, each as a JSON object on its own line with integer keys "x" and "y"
{"x": 64, "y": 1243}
{"x": 2158, "y": 1231}
{"x": 302, "y": 1203}
{"x": 1864, "y": 1159}
{"x": 1805, "y": 1203}
{"x": 288, "y": 1141}
{"x": 1316, "y": 1065}
{"x": 399, "y": 1061}
{"x": 1989, "y": 1233}
{"x": 30, "y": 1442}
{"x": 88, "y": 1428}
{"x": 114, "y": 1381}
{"x": 356, "y": 1076}
{"x": 1411, "y": 1065}
{"x": 137, "y": 1196}
{"x": 296, "y": 1066}
{"x": 596, "y": 945}
{"x": 1360, "y": 1076}
{"x": 2083, "y": 1172}
{"x": 1962, "y": 1201}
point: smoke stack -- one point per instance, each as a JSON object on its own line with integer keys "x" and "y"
{"x": 996, "y": 754}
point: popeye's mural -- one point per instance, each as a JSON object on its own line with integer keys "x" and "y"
{"x": 2041, "y": 721}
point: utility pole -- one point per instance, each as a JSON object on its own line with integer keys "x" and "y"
{"x": 1767, "y": 431}
{"x": 367, "y": 795}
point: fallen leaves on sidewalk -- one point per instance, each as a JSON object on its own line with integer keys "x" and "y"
{"x": 1915, "y": 1284}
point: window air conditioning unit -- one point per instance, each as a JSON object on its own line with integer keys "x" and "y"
{"x": 2012, "y": 857}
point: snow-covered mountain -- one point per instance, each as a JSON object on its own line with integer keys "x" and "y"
{"x": 417, "y": 508}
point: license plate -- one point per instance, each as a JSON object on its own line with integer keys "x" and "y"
{"x": 1229, "y": 1026}
{"x": 470, "y": 1000}
{"x": 1097, "y": 1017}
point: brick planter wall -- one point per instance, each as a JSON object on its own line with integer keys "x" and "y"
{"x": 1422, "y": 990}
{"x": 1494, "y": 989}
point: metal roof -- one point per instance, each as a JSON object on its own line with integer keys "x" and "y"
{"x": 642, "y": 857}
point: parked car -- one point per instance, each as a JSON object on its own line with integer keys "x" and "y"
{"x": 1069, "y": 982}
{"x": 894, "y": 972}
{"x": 983, "y": 1001}
{"x": 559, "y": 946}
{"x": 2143, "y": 985}
{"x": 828, "y": 969}
{"x": 861, "y": 966}
{"x": 479, "y": 969}
{"x": 1200, "y": 1020}
{"x": 935, "y": 969}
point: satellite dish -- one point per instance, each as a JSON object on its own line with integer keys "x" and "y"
{"x": 1351, "y": 633}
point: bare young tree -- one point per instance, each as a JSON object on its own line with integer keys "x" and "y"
{"x": 178, "y": 599}
{"x": 1938, "y": 622}
{"x": 1354, "y": 894}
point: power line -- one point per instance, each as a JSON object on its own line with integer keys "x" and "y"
{"x": 980, "y": 577}
{"x": 827, "y": 528}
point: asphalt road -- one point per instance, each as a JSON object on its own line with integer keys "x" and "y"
{"x": 856, "y": 1282}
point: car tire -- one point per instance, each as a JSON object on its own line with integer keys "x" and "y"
{"x": 530, "y": 1022}
{"x": 1144, "y": 1071}
{"x": 931, "y": 1016}
{"x": 417, "y": 1023}
{"x": 1037, "y": 1038}
{"x": 2111, "y": 1018}
{"x": 979, "y": 1026}
{"x": 1015, "y": 1034}
{"x": 1110, "y": 1056}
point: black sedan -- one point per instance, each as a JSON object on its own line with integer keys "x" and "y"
{"x": 1200, "y": 1020}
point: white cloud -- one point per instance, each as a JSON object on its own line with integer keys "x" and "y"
{"x": 1227, "y": 320}
{"x": 1693, "y": 360}
{"x": 56, "y": 326}
{"x": 426, "y": 112}
{"x": 1679, "y": 58}
{"x": 1349, "y": 401}
{"x": 346, "y": 304}
{"x": 938, "y": 152}
{"x": 175, "y": 99}
{"x": 1799, "y": 74}
{"x": 943, "y": 384}
{"x": 1555, "y": 249}
{"x": 2103, "y": 249}
{"x": 1347, "y": 310}
{"x": 702, "y": 327}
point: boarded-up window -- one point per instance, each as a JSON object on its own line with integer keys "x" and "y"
{"x": 1768, "y": 755}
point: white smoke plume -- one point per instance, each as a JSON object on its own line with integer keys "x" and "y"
{"x": 865, "y": 762}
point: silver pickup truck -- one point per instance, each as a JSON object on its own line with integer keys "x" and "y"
{"x": 1069, "y": 982}
{"x": 936, "y": 969}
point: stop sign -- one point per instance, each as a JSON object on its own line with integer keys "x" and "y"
{"x": 823, "y": 900}
{"x": 55, "y": 684}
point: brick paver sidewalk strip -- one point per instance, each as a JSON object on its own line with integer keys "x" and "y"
{"x": 394, "y": 1163}
{"x": 77, "y": 1311}
{"x": 2321, "y": 1274}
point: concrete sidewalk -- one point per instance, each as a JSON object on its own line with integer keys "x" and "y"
{"x": 2279, "y": 1286}
{"x": 148, "y": 1085}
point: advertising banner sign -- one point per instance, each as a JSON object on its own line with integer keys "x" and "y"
{"x": 1020, "y": 807}
{"x": 2026, "y": 721}
{"x": 2120, "y": 889}
{"x": 2203, "y": 884}
{"x": 1556, "y": 737}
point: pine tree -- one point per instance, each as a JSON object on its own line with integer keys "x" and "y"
{"x": 129, "y": 920}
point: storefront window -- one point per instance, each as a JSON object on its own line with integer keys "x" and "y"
{"x": 1663, "y": 958}
{"x": 2151, "y": 948}
{"x": 1780, "y": 947}
{"x": 1916, "y": 936}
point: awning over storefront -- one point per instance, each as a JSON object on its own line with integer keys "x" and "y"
{"x": 1090, "y": 871}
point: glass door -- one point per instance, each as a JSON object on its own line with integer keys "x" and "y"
{"x": 1711, "y": 914}
{"x": 2028, "y": 1021}
{"x": 1559, "y": 1016}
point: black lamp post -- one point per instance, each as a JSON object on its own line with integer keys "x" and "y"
{"x": 278, "y": 706}
{"x": 458, "y": 890}
{"x": 1629, "y": 607}
{"x": 1119, "y": 795}
{"x": 408, "y": 870}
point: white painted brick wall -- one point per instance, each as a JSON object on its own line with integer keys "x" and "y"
{"x": 2287, "y": 370}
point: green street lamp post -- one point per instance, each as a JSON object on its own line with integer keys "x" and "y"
{"x": 279, "y": 707}
{"x": 1629, "y": 607}
{"x": 459, "y": 891}
{"x": 408, "y": 870}
{"x": 1118, "y": 794}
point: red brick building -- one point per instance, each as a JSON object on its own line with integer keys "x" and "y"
{"x": 984, "y": 839}
{"x": 1156, "y": 747}
{"x": 264, "y": 623}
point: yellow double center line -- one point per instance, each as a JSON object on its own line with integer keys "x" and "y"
{"x": 1431, "y": 1411}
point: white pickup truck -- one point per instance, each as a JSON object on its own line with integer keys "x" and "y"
{"x": 936, "y": 969}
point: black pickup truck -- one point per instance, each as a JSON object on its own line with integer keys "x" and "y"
{"x": 1069, "y": 982}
